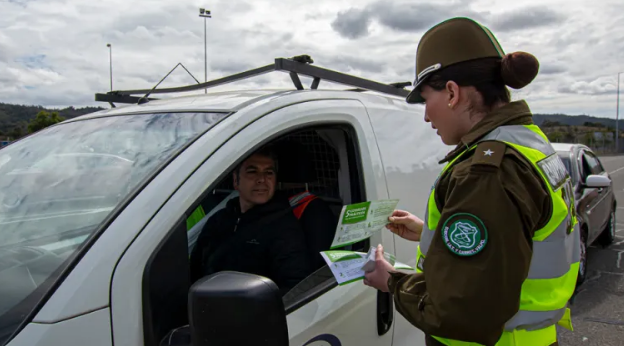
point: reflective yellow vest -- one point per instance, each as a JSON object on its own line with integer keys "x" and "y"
{"x": 556, "y": 247}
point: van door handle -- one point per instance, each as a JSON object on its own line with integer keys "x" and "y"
{"x": 385, "y": 312}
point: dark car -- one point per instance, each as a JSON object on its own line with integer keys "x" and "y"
{"x": 594, "y": 197}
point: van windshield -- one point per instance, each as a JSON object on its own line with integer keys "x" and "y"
{"x": 58, "y": 185}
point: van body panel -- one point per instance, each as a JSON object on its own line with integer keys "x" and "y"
{"x": 227, "y": 101}
{"x": 91, "y": 329}
{"x": 398, "y": 154}
{"x": 410, "y": 151}
{"x": 127, "y": 289}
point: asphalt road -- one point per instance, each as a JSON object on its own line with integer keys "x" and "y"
{"x": 598, "y": 306}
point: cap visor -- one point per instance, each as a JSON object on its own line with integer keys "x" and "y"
{"x": 414, "y": 97}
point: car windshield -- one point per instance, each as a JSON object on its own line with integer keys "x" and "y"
{"x": 58, "y": 185}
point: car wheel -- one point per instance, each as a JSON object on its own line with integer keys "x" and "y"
{"x": 582, "y": 275}
{"x": 608, "y": 234}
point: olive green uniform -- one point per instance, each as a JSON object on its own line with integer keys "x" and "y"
{"x": 472, "y": 297}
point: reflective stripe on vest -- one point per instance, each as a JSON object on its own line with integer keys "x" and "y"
{"x": 300, "y": 202}
{"x": 556, "y": 247}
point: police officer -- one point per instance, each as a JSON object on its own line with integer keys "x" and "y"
{"x": 499, "y": 248}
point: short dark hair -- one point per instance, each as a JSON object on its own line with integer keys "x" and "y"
{"x": 265, "y": 151}
{"x": 489, "y": 76}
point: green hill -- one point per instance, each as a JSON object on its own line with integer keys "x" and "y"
{"x": 15, "y": 118}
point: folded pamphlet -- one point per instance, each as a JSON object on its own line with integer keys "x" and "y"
{"x": 347, "y": 266}
{"x": 359, "y": 221}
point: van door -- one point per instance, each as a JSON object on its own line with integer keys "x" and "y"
{"x": 151, "y": 282}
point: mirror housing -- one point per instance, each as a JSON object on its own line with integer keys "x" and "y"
{"x": 232, "y": 308}
{"x": 597, "y": 181}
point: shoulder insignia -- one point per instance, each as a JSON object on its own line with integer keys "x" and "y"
{"x": 464, "y": 234}
{"x": 489, "y": 153}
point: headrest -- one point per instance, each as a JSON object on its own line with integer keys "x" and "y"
{"x": 296, "y": 163}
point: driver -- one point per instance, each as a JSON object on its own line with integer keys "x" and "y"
{"x": 256, "y": 232}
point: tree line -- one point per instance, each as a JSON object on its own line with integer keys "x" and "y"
{"x": 17, "y": 121}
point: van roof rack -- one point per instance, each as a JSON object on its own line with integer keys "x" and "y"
{"x": 295, "y": 66}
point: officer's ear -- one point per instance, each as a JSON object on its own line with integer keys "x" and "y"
{"x": 452, "y": 90}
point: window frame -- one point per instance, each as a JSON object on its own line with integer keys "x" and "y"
{"x": 327, "y": 281}
{"x": 357, "y": 189}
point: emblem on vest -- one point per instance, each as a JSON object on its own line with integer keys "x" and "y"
{"x": 464, "y": 234}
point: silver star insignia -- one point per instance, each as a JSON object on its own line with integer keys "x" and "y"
{"x": 488, "y": 152}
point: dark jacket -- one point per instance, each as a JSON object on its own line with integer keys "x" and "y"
{"x": 267, "y": 240}
{"x": 471, "y": 298}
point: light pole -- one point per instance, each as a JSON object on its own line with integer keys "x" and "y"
{"x": 205, "y": 14}
{"x": 110, "y": 50}
{"x": 617, "y": 117}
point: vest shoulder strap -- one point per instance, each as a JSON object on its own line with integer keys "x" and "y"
{"x": 489, "y": 153}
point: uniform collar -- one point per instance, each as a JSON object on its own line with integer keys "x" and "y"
{"x": 513, "y": 113}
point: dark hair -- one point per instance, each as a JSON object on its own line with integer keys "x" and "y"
{"x": 266, "y": 151}
{"x": 489, "y": 76}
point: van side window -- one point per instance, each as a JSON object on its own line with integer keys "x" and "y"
{"x": 319, "y": 171}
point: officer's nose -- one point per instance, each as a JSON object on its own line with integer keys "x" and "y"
{"x": 427, "y": 118}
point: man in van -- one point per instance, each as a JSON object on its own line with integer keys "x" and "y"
{"x": 256, "y": 232}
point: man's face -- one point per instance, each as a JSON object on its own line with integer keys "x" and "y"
{"x": 256, "y": 184}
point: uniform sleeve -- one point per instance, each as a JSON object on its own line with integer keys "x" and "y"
{"x": 480, "y": 254}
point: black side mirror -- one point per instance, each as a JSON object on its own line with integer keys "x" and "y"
{"x": 231, "y": 308}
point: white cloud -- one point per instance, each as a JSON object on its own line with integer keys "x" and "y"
{"x": 54, "y": 53}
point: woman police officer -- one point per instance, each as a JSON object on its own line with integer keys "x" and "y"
{"x": 499, "y": 246}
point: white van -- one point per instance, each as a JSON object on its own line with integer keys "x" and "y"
{"x": 94, "y": 214}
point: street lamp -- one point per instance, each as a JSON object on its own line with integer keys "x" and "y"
{"x": 110, "y": 50}
{"x": 205, "y": 14}
{"x": 617, "y": 117}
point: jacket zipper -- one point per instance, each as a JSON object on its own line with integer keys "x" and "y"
{"x": 236, "y": 225}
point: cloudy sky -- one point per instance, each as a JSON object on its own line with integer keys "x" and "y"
{"x": 53, "y": 52}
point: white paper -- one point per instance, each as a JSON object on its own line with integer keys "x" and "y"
{"x": 359, "y": 221}
{"x": 346, "y": 266}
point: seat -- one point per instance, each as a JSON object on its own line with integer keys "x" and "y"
{"x": 296, "y": 167}
{"x": 195, "y": 230}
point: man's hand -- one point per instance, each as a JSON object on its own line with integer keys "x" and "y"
{"x": 378, "y": 278}
{"x": 405, "y": 225}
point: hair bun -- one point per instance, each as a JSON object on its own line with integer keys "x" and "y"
{"x": 519, "y": 69}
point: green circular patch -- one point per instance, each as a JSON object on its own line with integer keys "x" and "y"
{"x": 464, "y": 234}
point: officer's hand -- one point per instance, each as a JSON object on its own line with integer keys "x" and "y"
{"x": 378, "y": 278}
{"x": 405, "y": 225}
